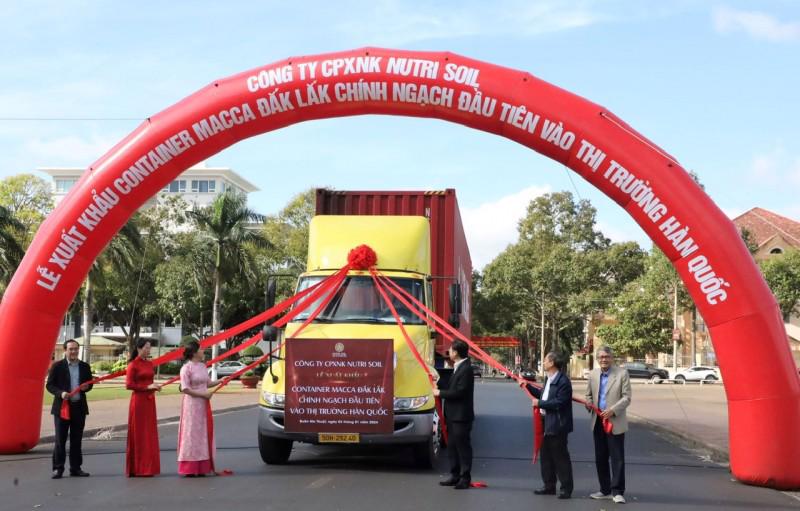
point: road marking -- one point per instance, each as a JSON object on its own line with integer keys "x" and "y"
{"x": 794, "y": 495}
{"x": 319, "y": 483}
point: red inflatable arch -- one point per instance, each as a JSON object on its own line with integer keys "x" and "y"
{"x": 760, "y": 376}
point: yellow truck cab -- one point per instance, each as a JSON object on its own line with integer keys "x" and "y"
{"x": 357, "y": 311}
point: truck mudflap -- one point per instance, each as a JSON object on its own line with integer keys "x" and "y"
{"x": 409, "y": 428}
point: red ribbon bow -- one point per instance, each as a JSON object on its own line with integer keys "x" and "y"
{"x": 362, "y": 258}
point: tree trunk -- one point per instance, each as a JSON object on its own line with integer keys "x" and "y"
{"x": 215, "y": 319}
{"x": 541, "y": 345}
{"x": 88, "y": 305}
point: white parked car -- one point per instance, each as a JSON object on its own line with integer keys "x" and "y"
{"x": 228, "y": 367}
{"x": 698, "y": 373}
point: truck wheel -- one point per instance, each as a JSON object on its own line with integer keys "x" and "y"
{"x": 425, "y": 453}
{"x": 655, "y": 378}
{"x": 274, "y": 451}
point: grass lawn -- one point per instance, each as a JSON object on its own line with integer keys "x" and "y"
{"x": 102, "y": 392}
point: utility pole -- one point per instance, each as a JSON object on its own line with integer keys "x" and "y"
{"x": 694, "y": 335}
{"x": 674, "y": 329}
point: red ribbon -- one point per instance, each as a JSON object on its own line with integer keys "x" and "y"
{"x": 442, "y": 326}
{"x": 210, "y": 341}
{"x": 412, "y": 347}
{"x": 331, "y": 284}
{"x": 64, "y": 413}
{"x": 538, "y": 432}
{"x": 319, "y": 288}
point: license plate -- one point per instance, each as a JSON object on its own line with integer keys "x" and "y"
{"x": 339, "y": 438}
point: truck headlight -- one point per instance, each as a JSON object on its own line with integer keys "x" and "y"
{"x": 273, "y": 400}
{"x": 404, "y": 404}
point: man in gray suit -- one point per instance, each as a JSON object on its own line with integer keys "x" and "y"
{"x": 610, "y": 390}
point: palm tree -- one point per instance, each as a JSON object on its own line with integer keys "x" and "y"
{"x": 10, "y": 250}
{"x": 123, "y": 252}
{"x": 225, "y": 225}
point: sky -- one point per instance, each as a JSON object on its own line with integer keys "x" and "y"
{"x": 715, "y": 84}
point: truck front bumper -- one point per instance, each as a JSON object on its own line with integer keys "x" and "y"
{"x": 409, "y": 428}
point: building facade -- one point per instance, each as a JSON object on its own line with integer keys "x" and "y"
{"x": 773, "y": 235}
{"x": 198, "y": 186}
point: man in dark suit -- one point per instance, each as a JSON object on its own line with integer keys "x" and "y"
{"x": 555, "y": 403}
{"x": 66, "y": 375}
{"x": 459, "y": 414}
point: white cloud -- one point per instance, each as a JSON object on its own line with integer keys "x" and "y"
{"x": 394, "y": 23}
{"x": 619, "y": 234}
{"x": 732, "y": 212}
{"x": 70, "y": 150}
{"x": 492, "y": 226}
{"x": 792, "y": 211}
{"x": 775, "y": 167}
{"x": 757, "y": 25}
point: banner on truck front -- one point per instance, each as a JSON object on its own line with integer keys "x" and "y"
{"x": 339, "y": 386}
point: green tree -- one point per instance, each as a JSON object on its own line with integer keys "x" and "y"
{"x": 645, "y": 309}
{"x": 561, "y": 269}
{"x": 749, "y": 240}
{"x": 111, "y": 276}
{"x": 29, "y": 199}
{"x": 782, "y": 273}
{"x": 288, "y": 232}
{"x": 225, "y": 224}
{"x": 10, "y": 250}
{"x": 644, "y": 322}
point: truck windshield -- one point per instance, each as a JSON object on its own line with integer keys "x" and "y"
{"x": 358, "y": 301}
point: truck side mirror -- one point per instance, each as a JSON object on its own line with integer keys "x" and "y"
{"x": 455, "y": 305}
{"x": 271, "y": 290}
{"x": 269, "y": 334}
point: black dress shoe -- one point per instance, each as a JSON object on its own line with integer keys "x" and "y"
{"x": 545, "y": 491}
{"x": 452, "y": 481}
{"x": 78, "y": 473}
{"x": 57, "y": 474}
{"x": 462, "y": 484}
{"x": 564, "y": 495}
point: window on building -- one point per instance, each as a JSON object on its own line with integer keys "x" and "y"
{"x": 178, "y": 186}
{"x": 776, "y": 250}
{"x": 63, "y": 185}
{"x": 204, "y": 186}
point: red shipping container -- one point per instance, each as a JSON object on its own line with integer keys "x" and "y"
{"x": 450, "y": 259}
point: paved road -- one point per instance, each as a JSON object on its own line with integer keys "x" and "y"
{"x": 660, "y": 475}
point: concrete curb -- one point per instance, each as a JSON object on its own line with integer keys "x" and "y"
{"x": 715, "y": 453}
{"x": 89, "y": 433}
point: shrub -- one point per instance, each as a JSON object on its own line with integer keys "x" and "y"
{"x": 248, "y": 374}
{"x": 119, "y": 365}
{"x": 252, "y": 352}
{"x": 103, "y": 366}
{"x": 186, "y": 339}
{"x": 260, "y": 369}
{"x": 170, "y": 368}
